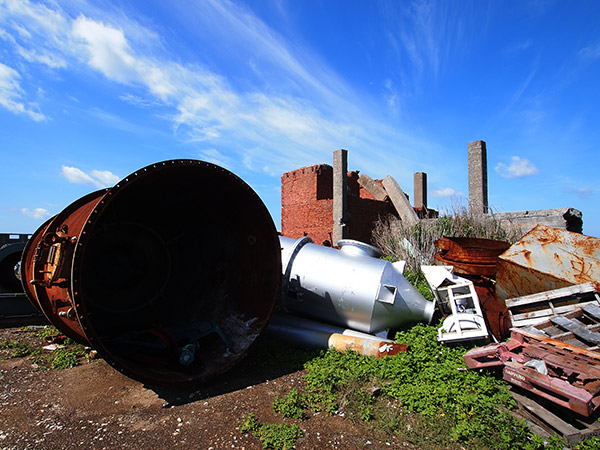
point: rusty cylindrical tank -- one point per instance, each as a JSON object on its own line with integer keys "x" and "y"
{"x": 170, "y": 275}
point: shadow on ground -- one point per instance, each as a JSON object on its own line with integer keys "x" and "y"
{"x": 266, "y": 360}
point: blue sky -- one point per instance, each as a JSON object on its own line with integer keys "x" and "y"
{"x": 92, "y": 91}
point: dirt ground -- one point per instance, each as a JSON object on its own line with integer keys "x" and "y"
{"x": 93, "y": 406}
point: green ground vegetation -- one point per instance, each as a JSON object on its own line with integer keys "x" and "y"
{"x": 29, "y": 345}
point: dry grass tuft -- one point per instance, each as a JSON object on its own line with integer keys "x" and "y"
{"x": 415, "y": 244}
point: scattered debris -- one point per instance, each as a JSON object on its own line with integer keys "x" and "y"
{"x": 456, "y": 296}
{"x": 475, "y": 259}
{"x": 470, "y": 256}
{"x": 372, "y": 187}
{"x": 403, "y": 207}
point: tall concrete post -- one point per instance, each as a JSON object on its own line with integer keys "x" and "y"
{"x": 420, "y": 190}
{"x": 478, "y": 186}
{"x": 340, "y": 195}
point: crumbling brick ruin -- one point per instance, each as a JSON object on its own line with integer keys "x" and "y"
{"x": 307, "y": 206}
{"x": 331, "y": 203}
{"x": 316, "y": 202}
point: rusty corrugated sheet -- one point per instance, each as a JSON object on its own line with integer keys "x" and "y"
{"x": 547, "y": 258}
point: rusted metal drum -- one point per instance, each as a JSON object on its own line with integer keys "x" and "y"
{"x": 470, "y": 256}
{"x": 170, "y": 275}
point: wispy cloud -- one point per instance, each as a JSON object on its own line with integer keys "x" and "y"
{"x": 428, "y": 33}
{"x": 590, "y": 52}
{"x": 97, "y": 178}
{"x": 446, "y": 192}
{"x": 110, "y": 53}
{"x": 517, "y": 168}
{"x": 11, "y": 94}
{"x": 304, "y": 112}
{"x": 36, "y": 213}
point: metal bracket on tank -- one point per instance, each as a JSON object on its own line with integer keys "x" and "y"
{"x": 287, "y": 266}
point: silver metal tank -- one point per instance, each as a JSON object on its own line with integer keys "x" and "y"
{"x": 350, "y": 287}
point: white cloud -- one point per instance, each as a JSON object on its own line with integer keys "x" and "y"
{"x": 97, "y": 178}
{"x": 105, "y": 177}
{"x": 283, "y": 126}
{"x": 110, "y": 53}
{"x": 37, "y": 213}
{"x": 444, "y": 192}
{"x": 11, "y": 93}
{"x": 517, "y": 168}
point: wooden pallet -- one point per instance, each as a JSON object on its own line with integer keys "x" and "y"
{"x": 531, "y": 310}
{"x": 580, "y": 327}
{"x": 564, "y": 374}
{"x": 547, "y": 419}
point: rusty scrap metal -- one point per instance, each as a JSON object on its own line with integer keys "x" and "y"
{"x": 470, "y": 256}
{"x": 548, "y": 258}
{"x": 562, "y": 373}
{"x": 180, "y": 253}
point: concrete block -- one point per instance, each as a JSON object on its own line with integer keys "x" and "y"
{"x": 372, "y": 187}
{"x": 396, "y": 194}
{"x": 569, "y": 219}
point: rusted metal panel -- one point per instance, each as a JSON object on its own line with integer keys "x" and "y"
{"x": 470, "y": 256}
{"x": 545, "y": 259}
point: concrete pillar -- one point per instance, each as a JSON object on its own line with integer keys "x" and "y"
{"x": 340, "y": 195}
{"x": 420, "y": 192}
{"x": 478, "y": 186}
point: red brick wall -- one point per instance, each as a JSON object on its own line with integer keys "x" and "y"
{"x": 307, "y": 205}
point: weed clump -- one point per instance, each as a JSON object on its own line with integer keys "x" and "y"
{"x": 290, "y": 405}
{"x": 272, "y": 436}
{"x": 426, "y": 392}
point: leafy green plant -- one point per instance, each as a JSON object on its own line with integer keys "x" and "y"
{"x": 272, "y": 436}
{"x": 290, "y": 405}
{"x": 429, "y": 381}
{"x": 17, "y": 349}
{"x": 592, "y": 443}
{"x": 279, "y": 436}
{"x": 61, "y": 358}
{"x": 249, "y": 424}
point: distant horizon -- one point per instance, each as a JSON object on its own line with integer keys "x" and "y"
{"x": 93, "y": 91}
